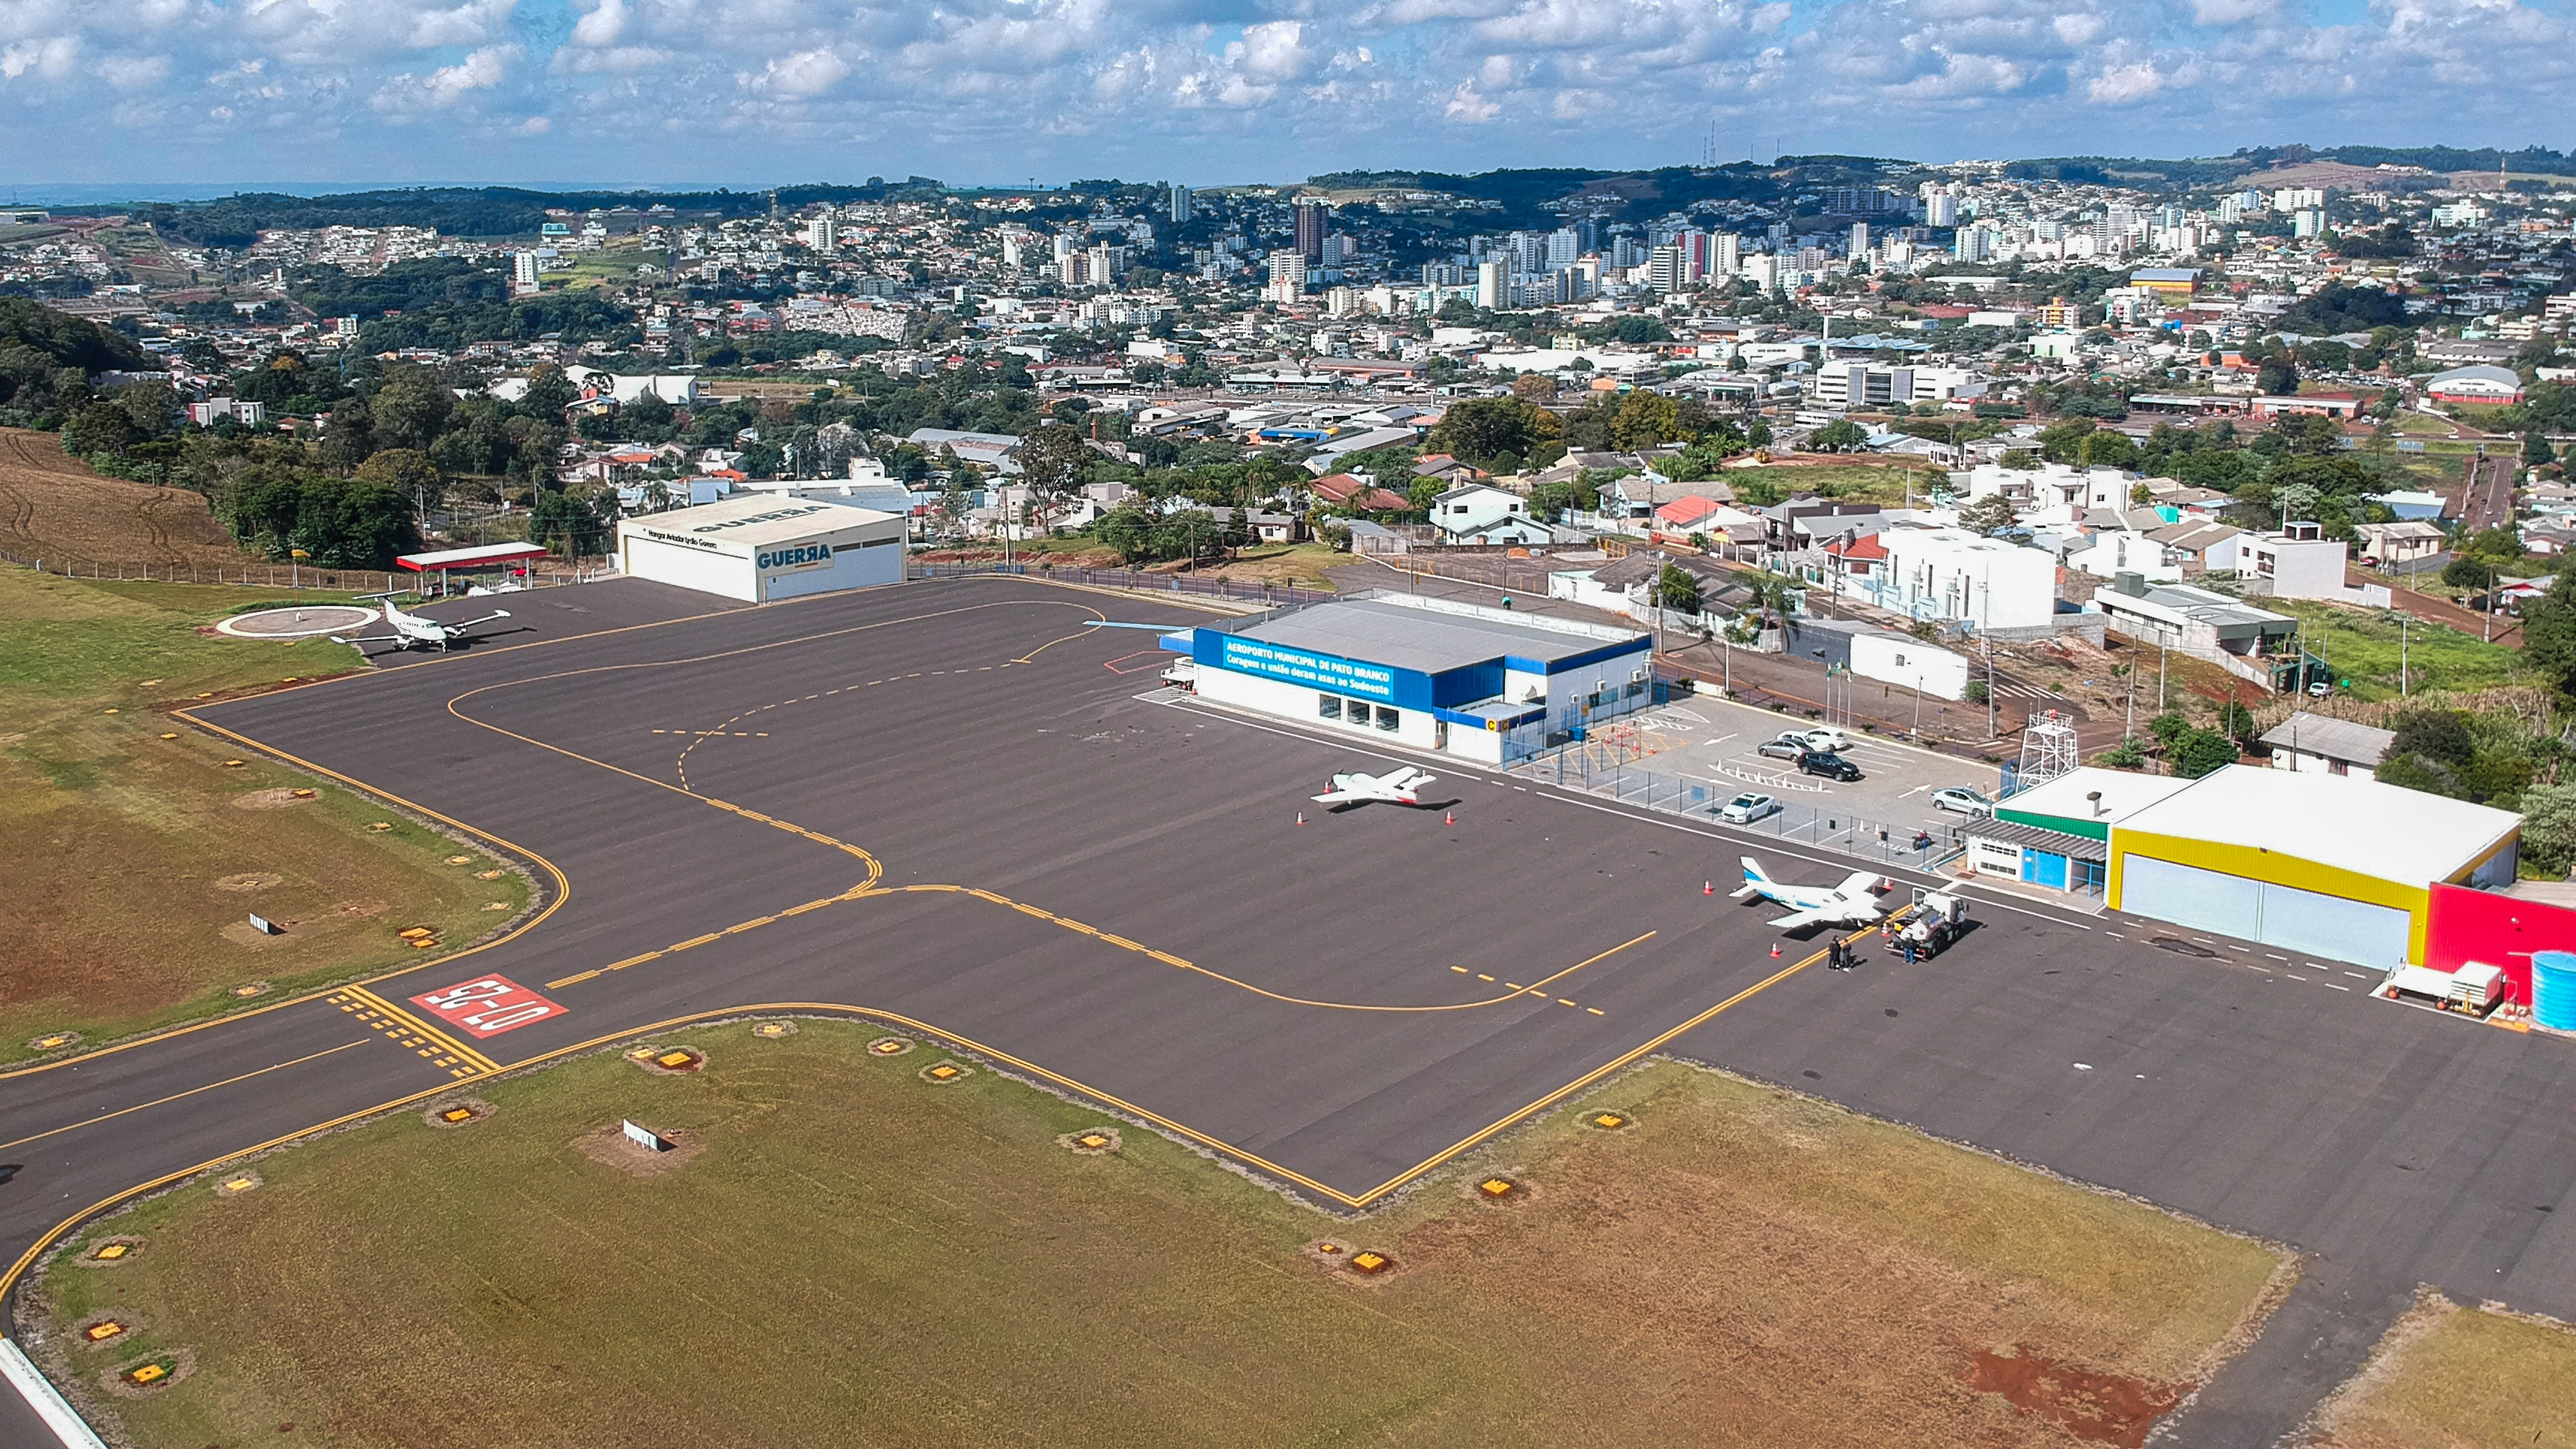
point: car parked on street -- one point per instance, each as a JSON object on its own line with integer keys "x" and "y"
{"x": 1831, "y": 767}
{"x": 1963, "y": 800}
{"x": 1825, "y": 739}
{"x": 1747, "y": 808}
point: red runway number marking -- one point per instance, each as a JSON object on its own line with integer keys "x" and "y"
{"x": 486, "y": 1006}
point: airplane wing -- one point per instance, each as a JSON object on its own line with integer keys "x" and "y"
{"x": 1338, "y": 797}
{"x": 367, "y": 639}
{"x": 1859, "y": 883}
{"x": 1795, "y": 919}
{"x": 486, "y": 619}
{"x": 1407, "y": 780}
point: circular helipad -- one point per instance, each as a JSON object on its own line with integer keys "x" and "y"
{"x": 310, "y": 621}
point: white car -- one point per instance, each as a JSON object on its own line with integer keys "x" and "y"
{"x": 1745, "y": 809}
{"x": 1963, "y": 800}
{"x": 1182, "y": 674}
{"x": 1826, "y": 740}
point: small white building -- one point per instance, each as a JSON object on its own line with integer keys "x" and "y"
{"x": 2051, "y": 486}
{"x": 2325, "y": 745}
{"x": 2301, "y": 563}
{"x": 1483, "y": 513}
{"x": 1941, "y": 573}
{"x": 761, "y": 549}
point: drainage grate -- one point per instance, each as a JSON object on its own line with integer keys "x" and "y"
{"x": 2181, "y": 947}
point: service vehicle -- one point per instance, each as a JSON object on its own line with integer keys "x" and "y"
{"x": 1963, "y": 800}
{"x": 1182, "y": 674}
{"x": 1831, "y": 767}
{"x": 1747, "y": 808}
{"x": 1928, "y": 926}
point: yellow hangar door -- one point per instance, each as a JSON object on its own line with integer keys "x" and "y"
{"x": 2313, "y": 922}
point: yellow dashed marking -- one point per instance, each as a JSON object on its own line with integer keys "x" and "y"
{"x": 697, "y": 941}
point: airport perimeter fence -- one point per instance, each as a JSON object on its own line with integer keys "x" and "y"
{"x": 1611, "y": 770}
{"x": 1242, "y": 591}
{"x": 259, "y": 576}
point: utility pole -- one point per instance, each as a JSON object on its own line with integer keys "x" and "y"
{"x": 2161, "y": 655}
{"x": 2401, "y": 653}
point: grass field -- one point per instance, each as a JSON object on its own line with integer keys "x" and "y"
{"x": 1856, "y": 482}
{"x": 56, "y": 508}
{"x": 133, "y": 861}
{"x": 852, "y": 1255}
{"x": 2448, "y": 1377}
{"x": 2363, "y": 646}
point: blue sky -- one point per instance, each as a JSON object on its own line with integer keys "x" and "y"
{"x": 223, "y": 92}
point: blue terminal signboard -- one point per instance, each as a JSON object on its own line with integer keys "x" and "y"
{"x": 1356, "y": 678}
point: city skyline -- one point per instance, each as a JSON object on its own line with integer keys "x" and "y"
{"x": 989, "y": 92}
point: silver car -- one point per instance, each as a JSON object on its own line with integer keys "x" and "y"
{"x": 1786, "y": 747}
{"x": 1963, "y": 800}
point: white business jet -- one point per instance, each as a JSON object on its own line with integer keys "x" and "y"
{"x": 1399, "y": 787}
{"x": 415, "y": 631}
{"x": 1848, "y": 904}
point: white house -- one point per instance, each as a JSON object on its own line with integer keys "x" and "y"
{"x": 2115, "y": 551}
{"x": 1938, "y": 572}
{"x": 1483, "y": 513}
{"x": 2051, "y": 485}
{"x": 2321, "y": 744}
{"x": 2300, "y": 563}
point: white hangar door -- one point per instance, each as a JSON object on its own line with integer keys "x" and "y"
{"x": 688, "y": 568}
{"x": 2276, "y": 915}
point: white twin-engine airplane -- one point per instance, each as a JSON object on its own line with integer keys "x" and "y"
{"x": 414, "y": 631}
{"x": 1848, "y": 904}
{"x": 1400, "y": 787}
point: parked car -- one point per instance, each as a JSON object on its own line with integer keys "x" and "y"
{"x": 1827, "y": 740}
{"x": 1786, "y": 747}
{"x": 1745, "y": 809}
{"x": 1832, "y": 767}
{"x": 1182, "y": 674}
{"x": 1963, "y": 800}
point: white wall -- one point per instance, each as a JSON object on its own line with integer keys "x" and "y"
{"x": 1295, "y": 703}
{"x": 728, "y": 576}
{"x": 1912, "y": 664}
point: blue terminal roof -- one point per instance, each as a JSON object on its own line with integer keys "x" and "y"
{"x": 1434, "y": 643}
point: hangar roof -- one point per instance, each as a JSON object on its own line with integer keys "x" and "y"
{"x": 1429, "y": 641}
{"x": 2344, "y": 821}
{"x": 758, "y": 521}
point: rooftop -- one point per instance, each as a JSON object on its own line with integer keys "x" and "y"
{"x": 2068, "y": 795}
{"x": 1408, "y": 635}
{"x": 2336, "y": 739}
{"x": 759, "y": 519}
{"x": 2342, "y": 821}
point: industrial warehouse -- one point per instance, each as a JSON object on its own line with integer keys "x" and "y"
{"x": 763, "y": 549}
{"x": 1435, "y": 674}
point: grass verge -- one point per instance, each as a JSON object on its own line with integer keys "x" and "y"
{"x": 135, "y": 861}
{"x": 2363, "y": 645}
{"x": 2447, "y": 1377}
{"x": 851, "y": 1254}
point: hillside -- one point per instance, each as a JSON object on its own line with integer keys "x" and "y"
{"x": 56, "y": 508}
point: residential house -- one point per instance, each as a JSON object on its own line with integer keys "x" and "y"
{"x": 1478, "y": 513}
{"x": 1274, "y": 527}
{"x": 2323, "y": 744}
{"x": 2050, "y": 485}
{"x": 2198, "y": 622}
{"x": 2403, "y": 542}
{"x": 1932, "y": 571}
{"x": 2199, "y": 546}
{"x": 2110, "y": 552}
{"x": 1341, "y": 490}
{"x": 2301, "y": 563}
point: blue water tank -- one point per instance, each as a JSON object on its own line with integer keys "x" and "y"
{"x": 2553, "y": 989}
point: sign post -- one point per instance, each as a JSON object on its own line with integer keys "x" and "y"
{"x": 646, "y": 1138}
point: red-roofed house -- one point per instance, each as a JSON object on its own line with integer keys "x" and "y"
{"x": 1687, "y": 512}
{"x": 1341, "y": 490}
{"x": 1858, "y": 558}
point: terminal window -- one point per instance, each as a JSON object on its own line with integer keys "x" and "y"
{"x": 1328, "y": 706}
{"x": 1389, "y": 719}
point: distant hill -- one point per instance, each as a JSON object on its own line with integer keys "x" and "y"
{"x": 67, "y": 341}
{"x": 477, "y": 211}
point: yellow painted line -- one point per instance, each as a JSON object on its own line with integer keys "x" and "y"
{"x": 1481, "y": 976}
{"x": 808, "y": 906}
{"x": 175, "y": 1096}
{"x": 431, "y": 1033}
{"x": 1079, "y": 926}
{"x": 1596, "y": 1011}
{"x": 753, "y": 924}
{"x": 695, "y": 941}
{"x": 1461, "y": 970}
{"x": 1561, "y": 1001}
{"x": 1169, "y": 958}
{"x": 573, "y": 980}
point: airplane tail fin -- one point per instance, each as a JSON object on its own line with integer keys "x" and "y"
{"x": 1754, "y": 879}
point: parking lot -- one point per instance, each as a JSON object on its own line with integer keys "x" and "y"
{"x": 1701, "y": 752}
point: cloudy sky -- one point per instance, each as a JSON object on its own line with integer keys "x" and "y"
{"x": 1205, "y": 91}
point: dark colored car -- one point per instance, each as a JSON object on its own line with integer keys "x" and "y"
{"x": 1832, "y": 767}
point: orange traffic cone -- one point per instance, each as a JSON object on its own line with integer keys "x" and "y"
{"x": 1708, "y": 888}
{"x": 1301, "y": 817}
{"x": 1449, "y": 819}
{"x": 1775, "y": 950}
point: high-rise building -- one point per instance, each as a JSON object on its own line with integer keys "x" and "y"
{"x": 1336, "y": 250}
{"x": 1725, "y": 255}
{"x": 1443, "y": 274}
{"x": 1288, "y": 267}
{"x": 1664, "y": 269}
{"x": 1492, "y": 285}
{"x": 523, "y": 273}
{"x": 1563, "y": 245}
{"x": 1181, "y": 211}
{"x": 1859, "y": 240}
{"x": 1107, "y": 262}
{"x": 822, "y": 233}
{"x": 1313, "y": 218}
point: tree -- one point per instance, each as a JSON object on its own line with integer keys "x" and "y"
{"x": 1679, "y": 588}
{"x": 1051, "y": 460}
{"x": 1842, "y": 435}
{"x": 2059, "y": 442}
{"x": 2434, "y": 734}
{"x": 572, "y": 524}
{"x": 410, "y": 409}
{"x": 2105, "y": 449}
{"x": 343, "y": 523}
{"x": 2536, "y": 450}
{"x": 99, "y": 430}
{"x": 1645, "y": 419}
{"x": 549, "y": 393}
{"x": 1533, "y": 387}
{"x": 2549, "y": 829}
{"x": 409, "y": 473}
{"x": 1990, "y": 514}
{"x": 2549, "y": 633}
{"x": 1483, "y": 430}
{"x": 2197, "y": 752}
{"x": 2278, "y": 376}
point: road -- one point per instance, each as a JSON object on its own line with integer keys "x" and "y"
{"x": 956, "y": 807}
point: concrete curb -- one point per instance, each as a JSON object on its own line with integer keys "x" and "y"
{"x": 48, "y": 1402}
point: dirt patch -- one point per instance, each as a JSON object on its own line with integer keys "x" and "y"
{"x": 444, "y": 1112}
{"x": 54, "y": 505}
{"x": 249, "y": 880}
{"x": 608, "y": 1147}
{"x": 2103, "y": 1408}
{"x": 277, "y": 799}
{"x": 359, "y": 908}
{"x": 124, "y": 1323}
{"x": 89, "y": 1257}
{"x": 1090, "y": 1141}
{"x": 669, "y": 1061}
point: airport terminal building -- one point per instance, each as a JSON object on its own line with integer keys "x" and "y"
{"x": 1461, "y": 679}
{"x": 764, "y": 548}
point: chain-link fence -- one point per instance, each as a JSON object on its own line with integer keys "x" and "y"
{"x": 1609, "y": 767}
{"x": 545, "y": 574}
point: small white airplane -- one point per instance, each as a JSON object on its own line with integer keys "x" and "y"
{"x": 1850, "y": 904}
{"x": 414, "y": 631}
{"x": 1400, "y": 787}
